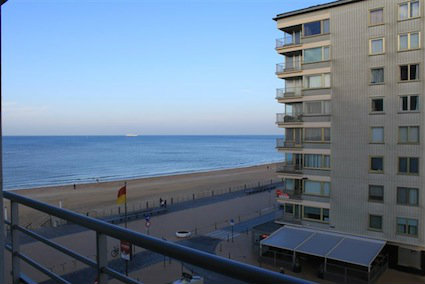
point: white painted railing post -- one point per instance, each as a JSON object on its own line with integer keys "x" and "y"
{"x": 14, "y": 215}
{"x": 102, "y": 258}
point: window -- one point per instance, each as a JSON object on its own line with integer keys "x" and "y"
{"x": 409, "y": 72}
{"x": 317, "y": 161}
{"x": 377, "y": 164}
{"x": 377, "y": 135}
{"x": 316, "y": 28}
{"x": 377, "y": 105}
{"x": 409, "y": 103}
{"x": 408, "y": 165}
{"x": 407, "y": 226}
{"x": 376, "y": 193}
{"x": 376, "y": 46}
{"x": 407, "y": 196}
{"x": 376, "y": 16}
{"x": 317, "y": 107}
{"x": 290, "y": 184}
{"x": 377, "y": 75}
{"x": 316, "y": 214}
{"x": 316, "y": 54}
{"x": 375, "y": 222}
{"x": 409, "y": 41}
{"x": 408, "y": 10}
{"x": 408, "y": 134}
{"x": 317, "y": 81}
{"x": 317, "y": 135}
{"x": 317, "y": 188}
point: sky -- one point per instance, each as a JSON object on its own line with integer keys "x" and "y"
{"x": 149, "y": 67}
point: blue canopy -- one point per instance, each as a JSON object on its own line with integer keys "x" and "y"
{"x": 342, "y": 247}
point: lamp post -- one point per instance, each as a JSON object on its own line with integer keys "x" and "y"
{"x": 2, "y": 243}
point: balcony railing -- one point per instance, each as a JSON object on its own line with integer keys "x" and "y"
{"x": 288, "y": 118}
{"x": 289, "y": 168}
{"x": 282, "y": 143}
{"x": 286, "y": 67}
{"x": 288, "y": 92}
{"x": 210, "y": 262}
{"x": 287, "y": 41}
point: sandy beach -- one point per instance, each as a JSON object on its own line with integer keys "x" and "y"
{"x": 88, "y": 197}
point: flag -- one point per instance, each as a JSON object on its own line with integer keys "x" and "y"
{"x": 122, "y": 195}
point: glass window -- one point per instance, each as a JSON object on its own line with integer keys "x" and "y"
{"x": 377, "y": 135}
{"x": 376, "y": 193}
{"x": 407, "y": 226}
{"x": 313, "y": 28}
{"x": 414, "y": 103}
{"x": 403, "y": 11}
{"x": 326, "y": 188}
{"x": 313, "y": 55}
{"x": 408, "y": 134}
{"x": 409, "y": 72}
{"x": 414, "y": 165}
{"x": 327, "y": 80}
{"x": 407, "y": 196}
{"x": 414, "y": 40}
{"x": 326, "y": 26}
{"x": 377, "y": 75}
{"x": 326, "y": 51}
{"x": 327, "y": 132}
{"x": 313, "y": 107}
{"x": 404, "y": 42}
{"x": 402, "y": 165}
{"x": 409, "y": 103}
{"x": 378, "y": 105}
{"x": 404, "y": 103}
{"x": 414, "y": 72}
{"x": 377, "y": 16}
{"x": 313, "y": 187}
{"x": 375, "y": 222}
{"x": 413, "y": 134}
{"x": 317, "y": 161}
{"x": 312, "y": 213}
{"x": 414, "y": 9}
{"x": 377, "y": 46}
{"x": 314, "y": 81}
{"x": 325, "y": 215}
{"x": 408, "y": 165}
{"x": 404, "y": 73}
{"x": 313, "y": 134}
{"x": 289, "y": 184}
{"x": 377, "y": 164}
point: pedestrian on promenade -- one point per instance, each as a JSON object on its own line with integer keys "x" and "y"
{"x": 161, "y": 202}
{"x": 165, "y": 203}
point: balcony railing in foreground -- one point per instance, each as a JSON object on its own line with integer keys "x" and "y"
{"x": 288, "y": 118}
{"x": 281, "y": 143}
{"x": 287, "y": 41}
{"x": 210, "y": 262}
{"x": 289, "y": 168}
{"x": 288, "y": 92}
{"x": 282, "y": 68}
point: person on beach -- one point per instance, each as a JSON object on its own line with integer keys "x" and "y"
{"x": 161, "y": 204}
{"x": 75, "y": 187}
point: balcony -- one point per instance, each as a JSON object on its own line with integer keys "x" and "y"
{"x": 289, "y": 118}
{"x": 288, "y": 67}
{"x": 288, "y": 41}
{"x": 281, "y": 143}
{"x": 290, "y": 168}
{"x": 288, "y": 93}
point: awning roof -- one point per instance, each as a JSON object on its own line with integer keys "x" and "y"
{"x": 330, "y": 245}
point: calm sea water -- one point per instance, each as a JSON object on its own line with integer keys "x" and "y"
{"x": 41, "y": 161}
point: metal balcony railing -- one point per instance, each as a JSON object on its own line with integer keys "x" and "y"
{"x": 288, "y": 92}
{"x": 289, "y": 168}
{"x": 231, "y": 268}
{"x": 288, "y": 118}
{"x": 282, "y": 143}
{"x": 286, "y": 67}
{"x": 287, "y": 41}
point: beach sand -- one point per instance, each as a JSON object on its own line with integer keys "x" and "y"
{"x": 102, "y": 195}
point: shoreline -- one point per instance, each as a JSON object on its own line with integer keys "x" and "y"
{"x": 91, "y": 181}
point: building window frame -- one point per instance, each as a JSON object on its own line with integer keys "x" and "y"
{"x": 323, "y": 135}
{"x": 371, "y": 196}
{"x": 323, "y": 85}
{"x": 404, "y": 221}
{"x": 322, "y": 30}
{"x": 371, "y": 76}
{"x": 323, "y": 163}
{"x": 408, "y": 166}
{"x": 409, "y": 41}
{"x": 409, "y": 71}
{"x": 322, "y": 215}
{"x": 409, "y": 10}
{"x": 409, "y": 191}
{"x": 371, "y": 46}
{"x": 370, "y": 222}
{"x": 323, "y": 56}
{"x": 371, "y": 135}
{"x": 323, "y": 191}
{"x": 409, "y": 103}
{"x": 377, "y": 171}
{"x": 409, "y": 127}
{"x": 370, "y": 17}
{"x": 372, "y": 105}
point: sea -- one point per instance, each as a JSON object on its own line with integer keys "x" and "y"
{"x": 35, "y": 161}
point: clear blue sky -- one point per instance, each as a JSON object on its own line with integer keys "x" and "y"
{"x": 142, "y": 66}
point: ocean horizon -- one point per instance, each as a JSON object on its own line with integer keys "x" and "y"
{"x": 37, "y": 161}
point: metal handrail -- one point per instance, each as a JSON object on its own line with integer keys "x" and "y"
{"x": 289, "y": 117}
{"x": 221, "y": 265}
{"x": 288, "y": 66}
{"x": 287, "y": 41}
{"x": 283, "y": 143}
{"x": 288, "y": 92}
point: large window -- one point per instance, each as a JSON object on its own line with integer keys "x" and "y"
{"x": 377, "y": 75}
{"x": 408, "y": 165}
{"x": 316, "y": 214}
{"x": 408, "y": 134}
{"x": 376, "y": 17}
{"x": 377, "y": 164}
{"x": 376, "y": 193}
{"x": 317, "y": 188}
{"x": 317, "y": 161}
{"x": 409, "y": 103}
{"x": 409, "y": 72}
{"x": 317, "y": 81}
{"x": 407, "y": 196}
{"x": 317, "y": 107}
{"x": 377, "y": 105}
{"x": 317, "y": 135}
{"x": 316, "y": 28}
{"x": 406, "y": 226}
{"x": 408, "y": 10}
{"x": 375, "y": 222}
{"x": 409, "y": 41}
{"x": 376, "y": 46}
{"x": 377, "y": 135}
{"x": 316, "y": 54}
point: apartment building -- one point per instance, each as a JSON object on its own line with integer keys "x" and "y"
{"x": 352, "y": 97}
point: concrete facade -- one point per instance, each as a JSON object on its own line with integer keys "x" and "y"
{"x": 350, "y": 95}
